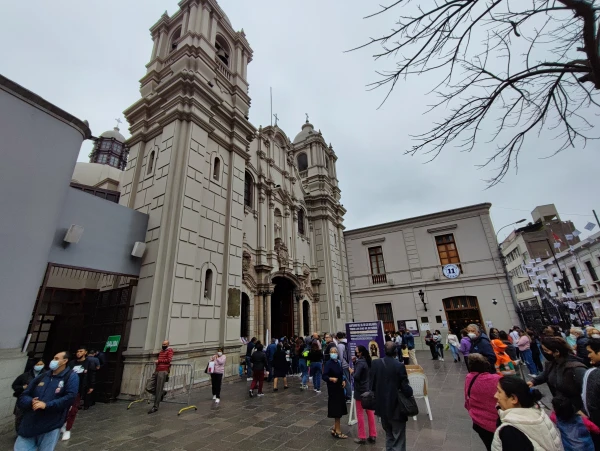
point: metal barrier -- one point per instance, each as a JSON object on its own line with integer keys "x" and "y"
{"x": 180, "y": 382}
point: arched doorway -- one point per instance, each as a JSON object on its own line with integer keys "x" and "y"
{"x": 282, "y": 308}
{"x": 305, "y": 318}
{"x": 245, "y": 316}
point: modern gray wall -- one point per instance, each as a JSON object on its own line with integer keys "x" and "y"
{"x": 110, "y": 231}
{"x": 39, "y": 144}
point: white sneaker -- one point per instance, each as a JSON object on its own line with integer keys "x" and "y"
{"x": 261, "y": 394}
{"x": 66, "y": 436}
{"x": 441, "y": 359}
{"x": 63, "y": 429}
{"x": 318, "y": 392}
{"x": 214, "y": 397}
{"x": 217, "y": 400}
{"x": 249, "y": 379}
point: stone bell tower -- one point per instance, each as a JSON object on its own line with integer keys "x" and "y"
{"x": 188, "y": 149}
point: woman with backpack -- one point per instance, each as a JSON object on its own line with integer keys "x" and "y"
{"x": 480, "y": 388}
{"x": 362, "y": 367}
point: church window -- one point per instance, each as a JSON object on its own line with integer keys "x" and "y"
{"x": 302, "y": 162}
{"x": 216, "y": 169}
{"x": 301, "y": 221}
{"x": 151, "y": 158}
{"x": 105, "y": 145}
{"x": 174, "y": 40}
{"x": 326, "y": 162}
{"x": 248, "y": 189}
{"x": 223, "y": 51}
{"x": 208, "y": 284}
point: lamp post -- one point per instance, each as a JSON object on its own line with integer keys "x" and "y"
{"x": 511, "y": 288}
{"x": 422, "y": 296}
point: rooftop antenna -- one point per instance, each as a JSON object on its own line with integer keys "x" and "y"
{"x": 271, "y": 106}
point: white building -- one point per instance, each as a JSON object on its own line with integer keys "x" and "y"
{"x": 397, "y": 275}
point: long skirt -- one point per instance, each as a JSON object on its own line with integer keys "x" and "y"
{"x": 336, "y": 403}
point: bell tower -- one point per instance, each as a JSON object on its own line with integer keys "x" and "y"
{"x": 188, "y": 150}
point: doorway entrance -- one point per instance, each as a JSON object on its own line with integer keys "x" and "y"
{"x": 305, "y": 318}
{"x": 245, "y": 316}
{"x": 65, "y": 318}
{"x": 282, "y": 308}
{"x": 462, "y": 311}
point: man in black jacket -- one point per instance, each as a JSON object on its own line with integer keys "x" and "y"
{"x": 480, "y": 344}
{"x": 249, "y": 349}
{"x": 21, "y": 383}
{"x": 387, "y": 377}
{"x": 591, "y": 386}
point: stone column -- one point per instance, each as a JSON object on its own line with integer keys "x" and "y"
{"x": 294, "y": 258}
{"x": 268, "y": 313}
{"x": 193, "y": 18}
{"x": 301, "y": 318}
{"x": 259, "y": 317}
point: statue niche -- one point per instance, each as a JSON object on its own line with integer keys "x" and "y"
{"x": 282, "y": 253}
{"x": 278, "y": 223}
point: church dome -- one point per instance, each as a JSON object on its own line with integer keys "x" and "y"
{"x": 114, "y": 133}
{"x": 307, "y": 131}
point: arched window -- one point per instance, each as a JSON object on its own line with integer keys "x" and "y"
{"x": 248, "y": 189}
{"x": 301, "y": 221}
{"x": 174, "y": 40}
{"x": 326, "y": 162}
{"x": 223, "y": 51}
{"x": 208, "y": 284}
{"x": 302, "y": 162}
{"x": 216, "y": 168}
{"x": 151, "y": 158}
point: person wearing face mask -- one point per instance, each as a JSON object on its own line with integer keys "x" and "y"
{"x": 333, "y": 374}
{"x": 216, "y": 377}
{"x": 21, "y": 383}
{"x": 524, "y": 427}
{"x": 158, "y": 380}
{"x": 580, "y": 345}
{"x": 563, "y": 373}
{"x": 480, "y": 344}
{"x": 44, "y": 404}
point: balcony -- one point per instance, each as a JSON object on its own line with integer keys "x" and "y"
{"x": 304, "y": 174}
{"x": 223, "y": 69}
{"x": 378, "y": 279}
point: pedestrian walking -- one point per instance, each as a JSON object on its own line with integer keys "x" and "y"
{"x": 409, "y": 340}
{"x": 303, "y": 363}
{"x": 44, "y": 404}
{"x": 362, "y": 368}
{"x": 387, "y": 377}
{"x": 344, "y": 358}
{"x": 536, "y": 350}
{"x": 20, "y": 384}
{"x": 280, "y": 367}
{"x": 480, "y": 343}
{"x": 270, "y": 353}
{"x": 333, "y": 374}
{"x": 249, "y": 349}
{"x": 524, "y": 345}
{"x": 216, "y": 377}
{"x": 430, "y": 341}
{"x": 439, "y": 345}
{"x": 452, "y": 341}
{"x": 258, "y": 364}
{"x": 157, "y": 382}
{"x": 581, "y": 345}
{"x": 510, "y": 348}
{"x": 87, "y": 381}
{"x": 315, "y": 356}
{"x": 465, "y": 346}
{"x": 405, "y": 354}
{"x": 480, "y": 389}
{"x": 524, "y": 426}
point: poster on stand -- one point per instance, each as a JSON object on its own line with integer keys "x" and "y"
{"x": 410, "y": 325}
{"x": 368, "y": 334}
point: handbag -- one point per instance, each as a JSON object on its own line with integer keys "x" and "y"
{"x": 407, "y": 405}
{"x": 367, "y": 400}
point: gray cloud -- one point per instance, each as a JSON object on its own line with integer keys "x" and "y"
{"x": 87, "y": 58}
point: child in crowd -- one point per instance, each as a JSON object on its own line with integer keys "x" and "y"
{"x": 405, "y": 355}
{"x": 575, "y": 430}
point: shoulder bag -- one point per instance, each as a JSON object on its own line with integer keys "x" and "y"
{"x": 408, "y": 405}
{"x": 469, "y": 390}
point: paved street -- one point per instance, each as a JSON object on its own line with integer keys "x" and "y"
{"x": 288, "y": 419}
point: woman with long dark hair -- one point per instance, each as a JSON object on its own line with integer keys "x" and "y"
{"x": 524, "y": 426}
{"x": 362, "y": 367}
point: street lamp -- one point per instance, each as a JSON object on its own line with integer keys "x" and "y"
{"x": 422, "y": 296}
{"x": 507, "y": 225}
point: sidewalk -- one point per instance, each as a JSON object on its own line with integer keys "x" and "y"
{"x": 291, "y": 419}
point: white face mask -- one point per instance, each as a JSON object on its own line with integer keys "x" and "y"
{"x": 595, "y": 335}
{"x": 219, "y": 353}
{"x": 472, "y": 336}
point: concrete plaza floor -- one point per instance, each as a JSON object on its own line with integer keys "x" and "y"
{"x": 291, "y": 419}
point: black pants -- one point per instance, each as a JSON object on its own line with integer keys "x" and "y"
{"x": 486, "y": 437}
{"x": 434, "y": 353}
{"x": 466, "y": 359}
{"x": 216, "y": 382}
{"x": 440, "y": 349}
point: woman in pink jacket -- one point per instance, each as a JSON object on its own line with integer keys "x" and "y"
{"x": 480, "y": 388}
{"x": 216, "y": 377}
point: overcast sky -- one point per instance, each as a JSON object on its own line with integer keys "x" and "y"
{"x": 87, "y": 57}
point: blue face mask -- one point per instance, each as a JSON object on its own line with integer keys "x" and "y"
{"x": 38, "y": 368}
{"x": 333, "y": 356}
{"x": 54, "y": 365}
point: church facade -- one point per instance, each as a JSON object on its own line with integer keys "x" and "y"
{"x": 245, "y": 232}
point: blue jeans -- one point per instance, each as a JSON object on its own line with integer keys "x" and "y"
{"x": 528, "y": 359}
{"x": 316, "y": 369}
{"x": 303, "y": 370}
{"x": 455, "y": 353}
{"x": 42, "y": 442}
{"x": 248, "y": 366}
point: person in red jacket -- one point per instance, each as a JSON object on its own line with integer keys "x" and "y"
{"x": 157, "y": 382}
